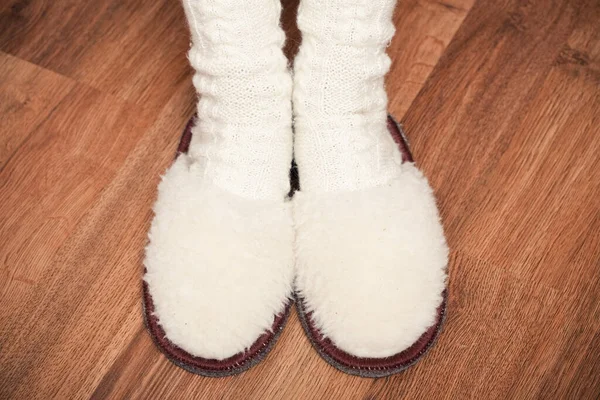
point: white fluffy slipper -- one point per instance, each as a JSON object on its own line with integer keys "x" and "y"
{"x": 371, "y": 274}
{"x": 218, "y": 273}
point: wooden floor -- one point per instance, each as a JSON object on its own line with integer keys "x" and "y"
{"x": 501, "y": 102}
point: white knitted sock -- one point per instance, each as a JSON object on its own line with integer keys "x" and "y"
{"x": 243, "y": 136}
{"x": 342, "y": 142}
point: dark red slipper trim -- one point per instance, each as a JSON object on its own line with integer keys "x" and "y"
{"x": 202, "y": 366}
{"x": 369, "y": 367}
{"x": 207, "y": 367}
{"x": 374, "y": 367}
{"x": 400, "y": 139}
{"x": 186, "y": 137}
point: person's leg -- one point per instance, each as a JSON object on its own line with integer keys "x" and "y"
{"x": 220, "y": 259}
{"x": 371, "y": 253}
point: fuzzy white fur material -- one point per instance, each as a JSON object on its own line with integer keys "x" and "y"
{"x": 371, "y": 263}
{"x": 219, "y": 266}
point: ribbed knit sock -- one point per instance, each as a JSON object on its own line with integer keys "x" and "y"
{"x": 342, "y": 142}
{"x": 243, "y": 134}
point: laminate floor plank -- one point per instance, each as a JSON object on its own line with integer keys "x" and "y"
{"x": 501, "y": 104}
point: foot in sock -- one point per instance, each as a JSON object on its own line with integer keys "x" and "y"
{"x": 370, "y": 250}
{"x": 220, "y": 262}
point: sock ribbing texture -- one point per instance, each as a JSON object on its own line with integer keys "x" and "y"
{"x": 243, "y": 136}
{"x": 340, "y": 105}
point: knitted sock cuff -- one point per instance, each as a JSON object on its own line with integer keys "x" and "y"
{"x": 353, "y": 23}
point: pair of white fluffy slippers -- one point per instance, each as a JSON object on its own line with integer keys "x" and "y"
{"x": 366, "y": 269}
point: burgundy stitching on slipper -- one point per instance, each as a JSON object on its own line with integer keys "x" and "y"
{"x": 186, "y": 137}
{"x": 370, "y": 367}
{"x": 202, "y": 366}
{"x": 198, "y": 365}
{"x": 374, "y": 367}
{"x": 400, "y": 139}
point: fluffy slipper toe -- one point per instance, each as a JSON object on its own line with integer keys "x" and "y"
{"x": 218, "y": 273}
{"x": 371, "y": 273}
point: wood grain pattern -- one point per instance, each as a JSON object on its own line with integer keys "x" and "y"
{"x": 501, "y": 103}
